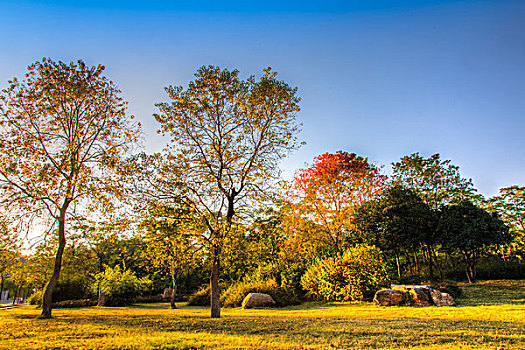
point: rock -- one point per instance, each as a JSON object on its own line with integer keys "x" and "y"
{"x": 389, "y": 297}
{"x": 442, "y": 299}
{"x": 416, "y": 294}
{"x": 167, "y": 293}
{"x": 254, "y": 300}
{"x": 101, "y": 299}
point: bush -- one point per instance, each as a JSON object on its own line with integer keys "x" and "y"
{"x": 36, "y": 298}
{"x": 70, "y": 290}
{"x": 121, "y": 286}
{"x": 235, "y": 294}
{"x": 74, "y": 303}
{"x": 200, "y": 297}
{"x": 356, "y": 275}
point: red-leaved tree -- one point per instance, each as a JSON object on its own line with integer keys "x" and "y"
{"x": 326, "y": 194}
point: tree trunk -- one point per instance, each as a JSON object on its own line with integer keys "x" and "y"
{"x": 47, "y": 301}
{"x": 470, "y": 268}
{"x": 430, "y": 262}
{"x": 2, "y": 286}
{"x": 416, "y": 260}
{"x": 173, "y": 285}
{"x": 214, "y": 283}
{"x": 16, "y": 294}
{"x": 398, "y": 264}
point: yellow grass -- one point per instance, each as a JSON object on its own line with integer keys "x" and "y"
{"x": 309, "y": 326}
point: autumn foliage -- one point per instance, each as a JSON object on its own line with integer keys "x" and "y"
{"x": 327, "y": 193}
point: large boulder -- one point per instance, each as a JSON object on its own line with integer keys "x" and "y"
{"x": 389, "y": 297}
{"x": 254, "y": 300}
{"x": 442, "y": 299}
{"x": 416, "y": 294}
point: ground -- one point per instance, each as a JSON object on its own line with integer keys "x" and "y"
{"x": 491, "y": 315}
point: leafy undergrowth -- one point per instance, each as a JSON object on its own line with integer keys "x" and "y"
{"x": 484, "y": 325}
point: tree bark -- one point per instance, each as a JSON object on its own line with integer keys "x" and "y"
{"x": 47, "y": 301}
{"x": 2, "y": 286}
{"x": 214, "y": 283}
{"x": 430, "y": 262}
{"x": 173, "y": 284}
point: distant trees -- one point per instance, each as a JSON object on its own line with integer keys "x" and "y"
{"x": 470, "y": 230}
{"x": 63, "y": 131}
{"x": 227, "y": 135}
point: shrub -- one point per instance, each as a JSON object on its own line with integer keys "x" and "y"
{"x": 74, "y": 303}
{"x": 70, "y": 290}
{"x": 235, "y": 294}
{"x": 200, "y": 297}
{"x": 355, "y": 275}
{"x": 36, "y": 298}
{"x": 121, "y": 286}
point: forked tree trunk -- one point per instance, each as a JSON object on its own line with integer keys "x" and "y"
{"x": 214, "y": 283}
{"x": 470, "y": 267}
{"x": 47, "y": 301}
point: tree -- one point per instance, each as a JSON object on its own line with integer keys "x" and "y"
{"x": 169, "y": 242}
{"x": 470, "y": 230}
{"x": 510, "y": 204}
{"x": 437, "y": 182}
{"x": 328, "y": 192}
{"x": 63, "y": 132}
{"x": 397, "y": 220}
{"x": 228, "y": 136}
{"x": 9, "y": 251}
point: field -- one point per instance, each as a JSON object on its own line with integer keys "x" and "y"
{"x": 491, "y": 315}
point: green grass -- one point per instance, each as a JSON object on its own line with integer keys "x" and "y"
{"x": 491, "y": 316}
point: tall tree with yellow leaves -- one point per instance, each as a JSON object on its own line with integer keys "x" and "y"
{"x": 63, "y": 132}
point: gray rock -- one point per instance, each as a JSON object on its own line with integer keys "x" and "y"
{"x": 254, "y": 300}
{"x": 442, "y": 299}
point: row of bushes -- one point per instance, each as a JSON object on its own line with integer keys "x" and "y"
{"x": 355, "y": 275}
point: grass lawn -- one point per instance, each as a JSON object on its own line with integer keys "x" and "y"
{"x": 491, "y": 315}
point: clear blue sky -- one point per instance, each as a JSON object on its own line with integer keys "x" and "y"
{"x": 380, "y": 78}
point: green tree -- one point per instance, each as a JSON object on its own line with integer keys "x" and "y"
{"x": 397, "y": 221}
{"x": 510, "y": 204}
{"x": 63, "y": 132}
{"x": 437, "y": 182}
{"x": 169, "y": 241}
{"x": 470, "y": 230}
{"x": 228, "y": 136}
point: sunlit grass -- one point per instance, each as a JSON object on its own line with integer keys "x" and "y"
{"x": 488, "y": 322}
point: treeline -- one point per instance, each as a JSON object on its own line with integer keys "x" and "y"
{"x": 209, "y": 210}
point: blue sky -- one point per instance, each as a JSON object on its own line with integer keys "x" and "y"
{"x": 380, "y": 78}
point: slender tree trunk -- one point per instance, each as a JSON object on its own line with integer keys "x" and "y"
{"x": 416, "y": 260}
{"x": 398, "y": 264}
{"x": 2, "y": 286}
{"x": 214, "y": 283}
{"x": 47, "y": 301}
{"x": 430, "y": 262}
{"x": 173, "y": 283}
{"x": 16, "y": 295}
